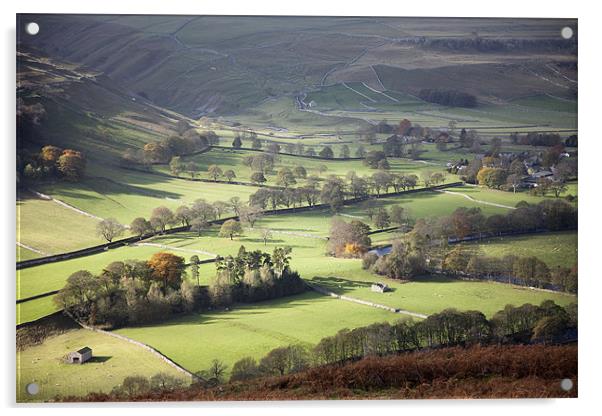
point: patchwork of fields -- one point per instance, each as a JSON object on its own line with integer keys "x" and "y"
{"x": 195, "y": 340}
{"x": 233, "y": 159}
{"x": 345, "y": 83}
{"x": 304, "y": 232}
{"x": 533, "y": 113}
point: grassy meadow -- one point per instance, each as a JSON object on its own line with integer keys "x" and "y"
{"x": 45, "y": 278}
{"x": 233, "y": 159}
{"x": 556, "y": 249}
{"x": 532, "y": 113}
{"x": 308, "y": 80}
{"x": 432, "y": 294}
{"x": 26, "y": 254}
{"x": 51, "y": 228}
{"x": 194, "y": 340}
{"x": 125, "y": 194}
{"x": 113, "y": 360}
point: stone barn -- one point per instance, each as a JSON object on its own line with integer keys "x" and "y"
{"x": 80, "y": 356}
{"x": 380, "y": 287}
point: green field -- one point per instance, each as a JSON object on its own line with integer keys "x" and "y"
{"x": 316, "y": 81}
{"x": 35, "y": 309}
{"x": 233, "y": 159}
{"x": 52, "y": 229}
{"x": 556, "y": 249}
{"x": 304, "y": 232}
{"x": 432, "y": 294}
{"x": 253, "y": 330}
{"x": 41, "y": 279}
{"x": 533, "y": 113}
{"x": 113, "y": 360}
{"x": 26, "y": 254}
{"x": 510, "y": 199}
{"x": 195, "y": 340}
{"x": 126, "y": 194}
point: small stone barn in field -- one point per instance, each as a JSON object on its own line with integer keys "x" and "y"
{"x": 380, "y": 287}
{"x": 80, "y": 356}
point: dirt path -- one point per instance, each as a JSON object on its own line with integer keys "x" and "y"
{"x": 380, "y": 92}
{"x": 188, "y": 250}
{"x": 427, "y": 162}
{"x": 352, "y": 216}
{"x": 145, "y": 347}
{"x": 357, "y": 92}
{"x": 294, "y": 233}
{"x": 35, "y": 250}
{"x": 557, "y": 72}
{"x": 478, "y": 201}
{"x": 65, "y": 205}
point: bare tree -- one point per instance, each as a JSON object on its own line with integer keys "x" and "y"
{"x": 266, "y": 234}
{"x": 109, "y": 229}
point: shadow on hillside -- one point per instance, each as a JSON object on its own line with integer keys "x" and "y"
{"x": 239, "y": 311}
{"x": 433, "y": 279}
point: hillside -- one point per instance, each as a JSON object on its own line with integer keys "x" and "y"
{"x": 480, "y": 372}
{"x": 83, "y": 109}
{"x": 216, "y": 65}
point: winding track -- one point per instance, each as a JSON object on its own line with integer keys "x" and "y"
{"x": 327, "y": 292}
{"x": 30, "y": 248}
{"x": 65, "y": 205}
{"x": 478, "y": 201}
{"x": 166, "y": 247}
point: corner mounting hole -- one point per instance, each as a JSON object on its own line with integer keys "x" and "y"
{"x": 566, "y": 32}
{"x": 32, "y": 28}
{"x": 32, "y": 389}
{"x": 566, "y": 384}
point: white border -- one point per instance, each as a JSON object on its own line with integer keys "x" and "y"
{"x": 590, "y": 149}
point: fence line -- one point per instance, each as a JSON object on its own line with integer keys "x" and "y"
{"x": 327, "y": 292}
{"x": 146, "y": 347}
{"x": 128, "y": 240}
{"x": 317, "y": 157}
{"x": 203, "y": 180}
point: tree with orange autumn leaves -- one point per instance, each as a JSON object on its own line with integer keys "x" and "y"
{"x": 167, "y": 269}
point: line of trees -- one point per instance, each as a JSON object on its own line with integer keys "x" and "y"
{"x": 188, "y": 140}
{"x": 196, "y": 215}
{"x": 547, "y": 323}
{"x": 452, "y": 98}
{"x": 334, "y": 190}
{"x": 508, "y": 173}
{"x": 298, "y": 148}
{"x": 135, "y": 291}
{"x": 536, "y": 139}
{"x": 426, "y": 247}
{"x": 552, "y": 215}
{"x": 253, "y": 276}
{"x": 129, "y": 292}
{"x": 524, "y": 271}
